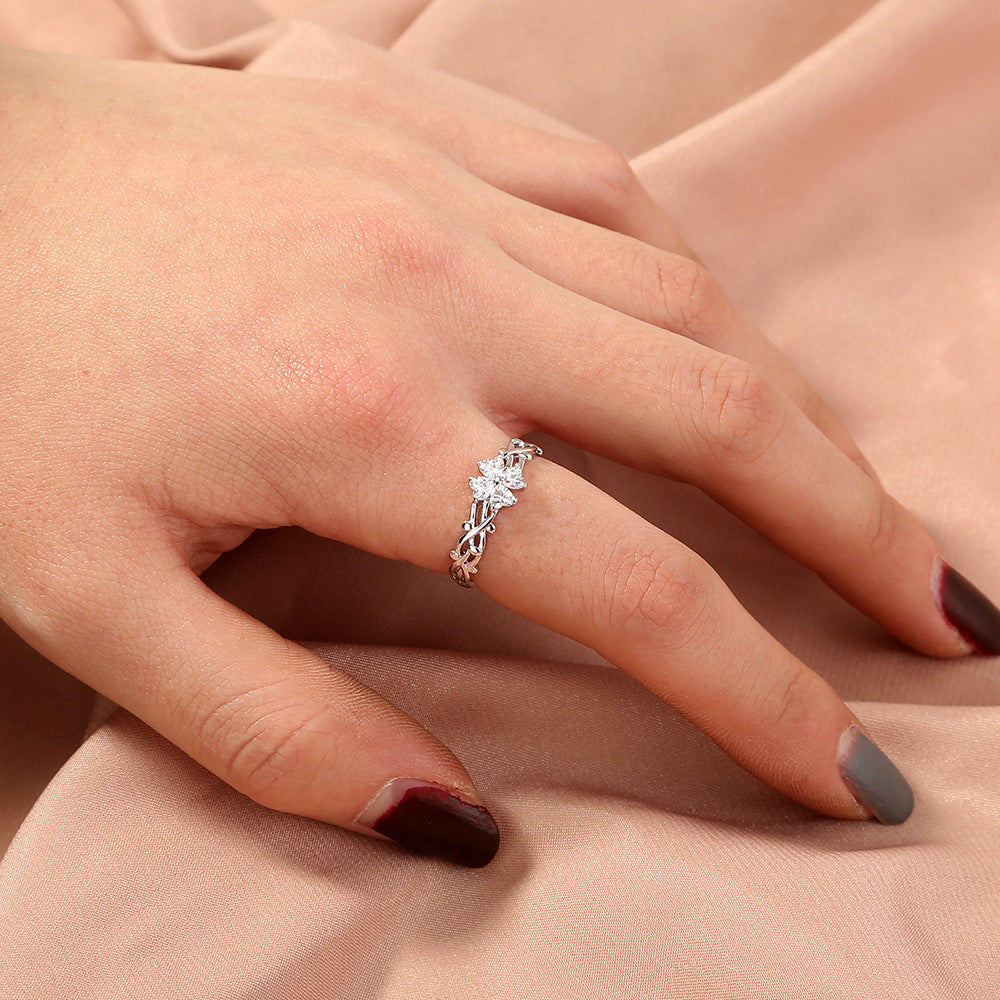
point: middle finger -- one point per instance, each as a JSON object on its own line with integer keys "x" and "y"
{"x": 661, "y": 402}
{"x": 661, "y": 288}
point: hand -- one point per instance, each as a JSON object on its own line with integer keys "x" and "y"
{"x": 237, "y": 302}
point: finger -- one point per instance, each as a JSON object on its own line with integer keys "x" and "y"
{"x": 264, "y": 714}
{"x": 570, "y": 557}
{"x": 665, "y": 290}
{"x": 576, "y": 177}
{"x": 661, "y": 402}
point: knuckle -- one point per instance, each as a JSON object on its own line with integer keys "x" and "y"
{"x": 374, "y": 399}
{"x": 609, "y": 173}
{"x": 652, "y": 592}
{"x": 739, "y": 412}
{"x": 353, "y": 398}
{"x": 688, "y": 291}
{"x": 267, "y": 750}
{"x": 275, "y": 755}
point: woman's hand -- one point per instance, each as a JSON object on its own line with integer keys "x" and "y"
{"x": 235, "y": 302}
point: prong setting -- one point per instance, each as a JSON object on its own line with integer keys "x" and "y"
{"x": 492, "y": 490}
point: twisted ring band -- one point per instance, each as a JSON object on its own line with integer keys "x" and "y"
{"x": 491, "y": 492}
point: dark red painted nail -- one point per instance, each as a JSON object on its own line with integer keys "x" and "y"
{"x": 430, "y": 819}
{"x": 967, "y": 609}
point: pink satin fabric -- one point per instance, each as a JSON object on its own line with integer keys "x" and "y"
{"x": 836, "y": 164}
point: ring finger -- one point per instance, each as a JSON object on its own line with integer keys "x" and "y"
{"x": 572, "y": 558}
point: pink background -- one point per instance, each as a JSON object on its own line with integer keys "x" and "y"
{"x": 836, "y": 164}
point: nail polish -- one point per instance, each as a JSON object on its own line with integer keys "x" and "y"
{"x": 872, "y": 778}
{"x": 967, "y": 609}
{"x": 430, "y": 819}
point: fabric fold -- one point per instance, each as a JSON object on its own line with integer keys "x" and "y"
{"x": 637, "y": 861}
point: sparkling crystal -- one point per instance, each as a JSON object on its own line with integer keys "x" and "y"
{"x": 496, "y": 483}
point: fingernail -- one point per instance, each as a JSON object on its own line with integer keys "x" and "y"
{"x": 872, "y": 778}
{"x": 430, "y": 819}
{"x": 967, "y": 609}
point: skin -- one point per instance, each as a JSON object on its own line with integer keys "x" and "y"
{"x": 236, "y": 302}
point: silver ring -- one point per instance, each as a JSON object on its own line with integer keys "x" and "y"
{"x": 491, "y": 492}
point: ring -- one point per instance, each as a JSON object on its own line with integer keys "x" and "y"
{"x": 491, "y": 492}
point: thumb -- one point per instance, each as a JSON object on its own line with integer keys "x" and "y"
{"x": 269, "y": 717}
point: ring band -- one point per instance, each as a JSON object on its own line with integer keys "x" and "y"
{"x": 491, "y": 492}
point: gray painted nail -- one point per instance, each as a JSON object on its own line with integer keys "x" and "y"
{"x": 872, "y": 778}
